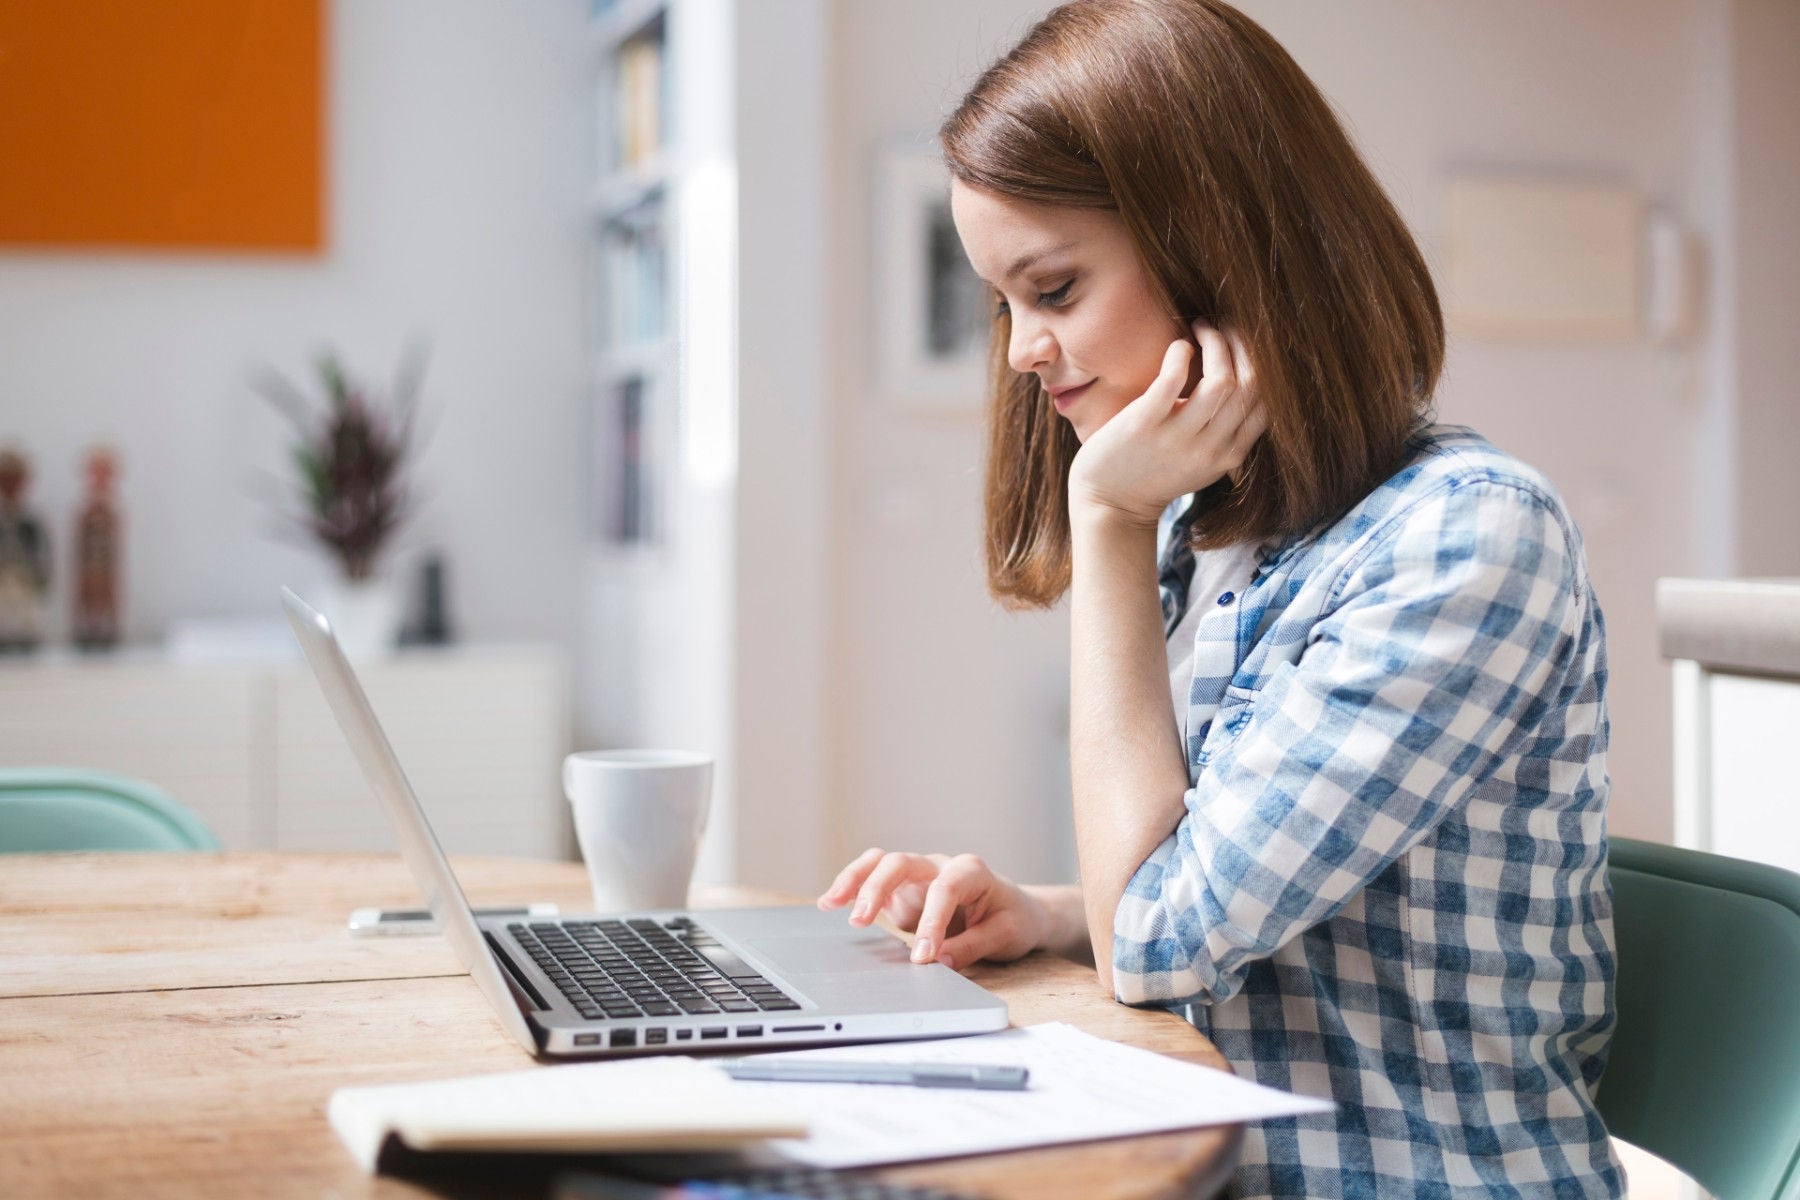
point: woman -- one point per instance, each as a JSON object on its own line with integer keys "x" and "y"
{"x": 1365, "y": 852}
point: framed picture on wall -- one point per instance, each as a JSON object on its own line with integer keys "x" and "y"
{"x": 931, "y": 311}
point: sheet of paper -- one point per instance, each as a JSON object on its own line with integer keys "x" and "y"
{"x": 1082, "y": 1088}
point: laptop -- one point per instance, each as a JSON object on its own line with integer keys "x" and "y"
{"x": 654, "y": 982}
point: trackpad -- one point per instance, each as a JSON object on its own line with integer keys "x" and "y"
{"x": 872, "y": 951}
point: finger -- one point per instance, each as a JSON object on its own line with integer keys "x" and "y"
{"x": 1255, "y": 424}
{"x": 1230, "y": 432}
{"x": 1165, "y": 389}
{"x": 1241, "y": 368}
{"x": 960, "y": 882}
{"x": 888, "y": 874}
{"x": 1218, "y": 374}
{"x": 1248, "y": 432}
{"x": 996, "y": 937}
{"x": 849, "y": 879}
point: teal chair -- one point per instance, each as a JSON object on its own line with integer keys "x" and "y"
{"x": 1705, "y": 1065}
{"x": 47, "y": 809}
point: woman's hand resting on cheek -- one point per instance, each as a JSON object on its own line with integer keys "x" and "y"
{"x": 961, "y": 910}
{"x": 1161, "y": 445}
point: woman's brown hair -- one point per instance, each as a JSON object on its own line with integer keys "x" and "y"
{"x": 1248, "y": 206}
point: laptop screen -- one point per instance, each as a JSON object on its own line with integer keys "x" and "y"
{"x": 418, "y": 844}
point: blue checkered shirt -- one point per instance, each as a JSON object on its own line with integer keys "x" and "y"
{"x": 1389, "y": 888}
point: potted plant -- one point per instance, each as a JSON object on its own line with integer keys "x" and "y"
{"x": 351, "y": 457}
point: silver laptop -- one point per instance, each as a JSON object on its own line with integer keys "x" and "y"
{"x": 654, "y": 982}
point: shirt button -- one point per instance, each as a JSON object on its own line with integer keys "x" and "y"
{"x": 1225, "y": 599}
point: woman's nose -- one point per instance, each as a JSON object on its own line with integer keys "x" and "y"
{"x": 1031, "y": 346}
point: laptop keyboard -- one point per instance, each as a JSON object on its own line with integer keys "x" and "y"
{"x": 642, "y": 968}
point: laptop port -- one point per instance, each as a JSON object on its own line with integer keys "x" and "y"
{"x": 623, "y": 1037}
{"x": 796, "y": 1029}
{"x": 682, "y": 1035}
{"x": 749, "y": 1030}
{"x": 655, "y": 1037}
{"x": 587, "y": 1039}
{"x": 714, "y": 1031}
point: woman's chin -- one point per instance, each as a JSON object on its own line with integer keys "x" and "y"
{"x": 1087, "y": 425}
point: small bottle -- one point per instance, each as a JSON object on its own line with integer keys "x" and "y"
{"x": 431, "y": 620}
{"x": 99, "y": 551}
{"x": 24, "y": 560}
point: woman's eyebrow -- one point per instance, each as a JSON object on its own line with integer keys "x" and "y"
{"x": 1026, "y": 259}
{"x": 1032, "y": 256}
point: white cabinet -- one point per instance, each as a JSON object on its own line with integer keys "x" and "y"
{"x": 1735, "y": 644}
{"x": 253, "y": 749}
{"x": 194, "y": 732}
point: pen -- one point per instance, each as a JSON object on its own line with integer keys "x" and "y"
{"x": 940, "y": 1075}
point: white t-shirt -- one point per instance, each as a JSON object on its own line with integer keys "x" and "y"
{"x": 1220, "y": 576}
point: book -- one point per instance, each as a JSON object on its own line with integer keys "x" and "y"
{"x": 632, "y": 1106}
{"x": 639, "y": 100}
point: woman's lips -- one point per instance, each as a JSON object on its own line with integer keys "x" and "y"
{"x": 1064, "y": 399}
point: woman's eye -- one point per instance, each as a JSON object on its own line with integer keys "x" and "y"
{"x": 1055, "y": 299}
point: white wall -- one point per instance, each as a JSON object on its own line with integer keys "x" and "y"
{"x": 949, "y": 713}
{"x": 950, "y": 716}
{"x": 1762, "y": 254}
{"x": 782, "y": 520}
{"x": 456, "y": 166}
{"x": 877, "y": 694}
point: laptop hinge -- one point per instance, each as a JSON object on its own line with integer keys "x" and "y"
{"x": 515, "y": 976}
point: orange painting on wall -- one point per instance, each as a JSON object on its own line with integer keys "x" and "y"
{"x": 184, "y": 124}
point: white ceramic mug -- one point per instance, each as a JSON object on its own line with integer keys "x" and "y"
{"x": 638, "y": 818}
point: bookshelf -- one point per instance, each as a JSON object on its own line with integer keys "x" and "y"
{"x": 661, "y": 306}
{"x": 704, "y": 629}
{"x": 631, "y": 217}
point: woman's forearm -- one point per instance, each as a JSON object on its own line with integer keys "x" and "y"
{"x": 1127, "y": 768}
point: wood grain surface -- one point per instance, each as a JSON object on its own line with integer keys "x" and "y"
{"x": 173, "y": 1025}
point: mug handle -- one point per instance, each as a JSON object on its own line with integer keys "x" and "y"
{"x": 568, "y": 775}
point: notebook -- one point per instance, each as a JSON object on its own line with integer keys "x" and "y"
{"x": 662, "y": 981}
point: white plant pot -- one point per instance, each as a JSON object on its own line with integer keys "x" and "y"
{"x": 364, "y": 613}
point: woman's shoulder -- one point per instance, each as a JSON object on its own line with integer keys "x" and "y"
{"x": 1450, "y": 460}
{"x": 1453, "y": 455}
{"x": 1450, "y": 472}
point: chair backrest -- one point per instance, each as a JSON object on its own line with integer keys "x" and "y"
{"x": 51, "y": 809}
{"x": 1704, "y": 1070}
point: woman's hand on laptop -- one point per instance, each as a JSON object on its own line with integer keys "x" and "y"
{"x": 961, "y": 910}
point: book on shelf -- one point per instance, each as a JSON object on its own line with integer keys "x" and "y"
{"x": 634, "y": 269}
{"x": 633, "y": 525}
{"x": 639, "y": 99}
{"x": 622, "y": 470}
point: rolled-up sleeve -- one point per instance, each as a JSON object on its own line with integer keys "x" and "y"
{"x": 1441, "y": 643}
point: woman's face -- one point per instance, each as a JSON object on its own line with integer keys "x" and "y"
{"x": 1086, "y": 318}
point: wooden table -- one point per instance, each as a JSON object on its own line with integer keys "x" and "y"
{"x": 172, "y": 1025}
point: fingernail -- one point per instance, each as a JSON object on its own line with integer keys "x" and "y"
{"x": 862, "y": 910}
{"x": 922, "y": 950}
